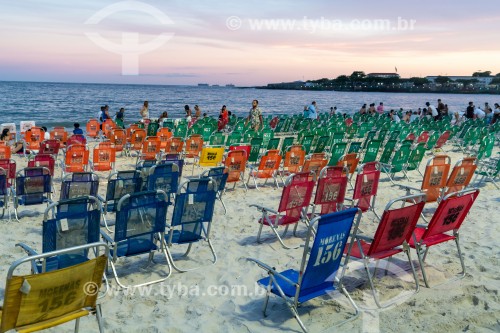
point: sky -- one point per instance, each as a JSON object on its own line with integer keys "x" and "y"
{"x": 245, "y": 43}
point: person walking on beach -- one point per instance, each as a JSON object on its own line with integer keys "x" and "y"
{"x": 119, "y": 118}
{"x": 145, "y": 111}
{"x": 255, "y": 116}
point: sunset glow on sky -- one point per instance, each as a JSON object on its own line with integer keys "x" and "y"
{"x": 245, "y": 43}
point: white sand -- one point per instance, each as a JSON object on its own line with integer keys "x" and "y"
{"x": 182, "y": 303}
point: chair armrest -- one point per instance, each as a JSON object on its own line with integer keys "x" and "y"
{"x": 271, "y": 270}
{"x": 365, "y": 238}
{"x": 27, "y": 249}
{"x": 408, "y": 188}
{"x": 106, "y": 237}
{"x": 421, "y": 225}
{"x": 263, "y": 209}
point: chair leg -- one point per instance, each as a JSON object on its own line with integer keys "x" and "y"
{"x": 419, "y": 251}
{"x": 77, "y": 325}
{"x": 98, "y": 314}
{"x": 460, "y": 256}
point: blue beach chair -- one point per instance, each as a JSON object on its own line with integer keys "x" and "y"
{"x": 33, "y": 186}
{"x": 320, "y": 271}
{"x": 73, "y": 222}
{"x": 192, "y": 217}
{"x": 164, "y": 177}
{"x": 79, "y": 184}
{"x": 220, "y": 176}
{"x": 139, "y": 230}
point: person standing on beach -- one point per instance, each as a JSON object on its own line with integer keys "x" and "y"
{"x": 432, "y": 110}
{"x": 469, "y": 112}
{"x": 187, "y": 109}
{"x": 312, "y": 113}
{"x": 119, "y": 118}
{"x": 380, "y": 108}
{"x": 145, "y": 110}
{"x": 255, "y": 116}
{"x": 197, "y": 112}
{"x": 305, "y": 113}
{"x": 441, "y": 109}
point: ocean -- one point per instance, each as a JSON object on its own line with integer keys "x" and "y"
{"x": 62, "y": 104}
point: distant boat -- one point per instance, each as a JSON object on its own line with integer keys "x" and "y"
{"x": 202, "y": 84}
{"x": 215, "y": 85}
{"x": 230, "y": 85}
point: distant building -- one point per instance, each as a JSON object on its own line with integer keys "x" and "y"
{"x": 484, "y": 81}
{"x": 384, "y": 75}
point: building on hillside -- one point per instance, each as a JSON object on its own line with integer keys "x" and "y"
{"x": 384, "y": 75}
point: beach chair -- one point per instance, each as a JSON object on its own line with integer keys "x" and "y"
{"x": 442, "y": 140}
{"x": 371, "y": 151}
{"x": 295, "y": 156}
{"x": 322, "y": 266}
{"x": 336, "y": 152}
{"x": 461, "y": 175}
{"x": 79, "y": 184}
{"x": 76, "y": 159}
{"x": 119, "y": 184}
{"x": 235, "y": 164}
{"x": 443, "y": 227}
{"x": 414, "y": 160}
{"x": 192, "y": 218}
{"x": 273, "y": 143}
{"x": 392, "y": 236}
{"x": 33, "y": 138}
{"x": 174, "y": 145}
{"x": 31, "y": 302}
{"x": 119, "y": 139}
{"x": 216, "y": 139}
{"x": 93, "y": 128}
{"x": 488, "y": 171}
{"x": 107, "y": 127}
{"x": 435, "y": 178}
{"x": 24, "y": 126}
{"x": 50, "y": 147}
{"x": 9, "y": 166}
{"x": 211, "y": 156}
{"x": 4, "y": 192}
{"x": 135, "y": 138}
{"x": 43, "y": 160}
{"x": 104, "y": 157}
{"x": 164, "y": 134}
{"x": 267, "y": 168}
{"x": 398, "y": 161}
{"x": 76, "y": 139}
{"x": 219, "y": 175}
{"x": 366, "y": 187}
{"x": 150, "y": 150}
{"x": 295, "y": 197}
{"x": 33, "y": 186}
{"x": 330, "y": 191}
{"x": 66, "y": 224}
{"x": 59, "y": 134}
{"x": 164, "y": 177}
{"x": 139, "y": 230}
{"x": 5, "y": 152}
{"x": 176, "y": 159}
{"x": 349, "y": 161}
{"x": 315, "y": 163}
{"x": 192, "y": 148}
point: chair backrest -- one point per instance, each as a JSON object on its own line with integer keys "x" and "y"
{"x": 118, "y": 138}
{"x": 43, "y": 160}
{"x": 164, "y": 177}
{"x": 34, "y": 136}
{"x": 366, "y": 186}
{"x": 93, "y": 128}
{"x": 69, "y": 223}
{"x": 219, "y": 175}
{"x": 321, "y": 261}
{"x": 294, "y": 158}
{"x": 174, "y": 145}
{"x": 337, "y": 151}
{"x": 371, "y": 150}
{"x": 423, "y": 137}
{"x": 211, "y": 156}
{"x": 77, "y": 158}
{"x": 139, "y": 215}
{"x": 388, "y": 150}
{"x": 435, "y": 176}
{"x": 235, "y": 163}
{"x": 164, "y": 134}
{"x": 269, "y": 164}
{"x": 9, "y": 165}
{"x": 76, "y": 139}
{"x": 315, "y": 163}
{"x": 5, "y": 152}
{"x": 50, "y": 147}
{"x": 349, "y": 161}
{"x": 121, "y": 183}
{"x": 442, "y": 139}
{"x": 461, "y": 174}
{"x": 40, "y": 307}
{"x": 104, "y": 158}
{"x": 194, "y": 205}
{"x": 150, "y": 148}
{"x": 25, "y": 125}
{"x": 287, "y": 142}
{"x": 194, "y": 144}
{"x": 416, "y": 156}
{"x": 33, "y": 186}
{"x": 331, "y": 188}
{"x": 176, "y": 159}
{"x": 396, "y": 225}
{"x": 59, "y": 134}
{"x": 296, "y": 195}
{"x": 400, "y": 157}
{"x": 79, "y": 184}
{"x": 451, "y": 213}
